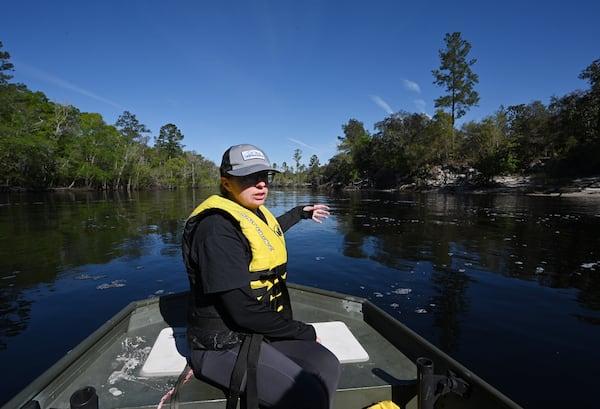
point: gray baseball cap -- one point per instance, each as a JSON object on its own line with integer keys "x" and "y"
{"x": 242, "y": 160}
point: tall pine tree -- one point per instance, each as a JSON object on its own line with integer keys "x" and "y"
{"x": 456, "y": 76}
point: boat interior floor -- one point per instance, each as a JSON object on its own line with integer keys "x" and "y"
{"x": 113, "y": 366}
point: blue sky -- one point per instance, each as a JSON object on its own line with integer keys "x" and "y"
{"x": 285, "y": 74}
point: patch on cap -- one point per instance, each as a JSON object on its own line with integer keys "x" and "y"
{"x": 253, "y": 154}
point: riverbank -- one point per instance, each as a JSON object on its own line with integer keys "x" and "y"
{"x": 469, "y": 181}
{"x": 579, "y": 187}
{"x": 450, "y": 181}
{"x": 582, "y": 187}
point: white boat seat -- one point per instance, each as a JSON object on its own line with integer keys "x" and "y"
{"x": 169, "y": 354}
{"x": 170, "y": 351}
{"x": 337, "y": 337}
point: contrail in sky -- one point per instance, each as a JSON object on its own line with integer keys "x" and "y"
{"x": 44, "y": 76}
{"x": 296, "y": 141}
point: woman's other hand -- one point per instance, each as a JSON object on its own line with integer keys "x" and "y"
{"x": 319, "y": 212}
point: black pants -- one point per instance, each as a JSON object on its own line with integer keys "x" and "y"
{"x": 290, "y": 374}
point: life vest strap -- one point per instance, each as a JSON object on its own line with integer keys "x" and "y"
{"x": 246, "y": 363}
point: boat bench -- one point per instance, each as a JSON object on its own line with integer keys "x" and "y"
{"x": 363, "y": 380}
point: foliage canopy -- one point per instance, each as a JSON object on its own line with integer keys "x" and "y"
{"x": 44, "y": 144}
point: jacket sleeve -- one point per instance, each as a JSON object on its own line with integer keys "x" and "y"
{"x": 293, "y": 216}
{"x": 218, "y": 253}
{"x": 251, "y": 316}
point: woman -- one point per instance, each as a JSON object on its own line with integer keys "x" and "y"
{"x": 240, "y": 323}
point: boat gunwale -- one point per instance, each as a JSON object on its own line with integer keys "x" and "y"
{"x": 391, "y": 329}
{"x": 39, "y": 384}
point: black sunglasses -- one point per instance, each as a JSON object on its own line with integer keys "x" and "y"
{"x": 256, "y": 178}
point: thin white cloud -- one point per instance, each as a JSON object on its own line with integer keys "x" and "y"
{"x": 420, "y": 104}
{"x": 412, "y": 86}
{"x": 44, "y": 76}
{"x": 384, "y": 105}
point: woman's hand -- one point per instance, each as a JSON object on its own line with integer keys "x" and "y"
{"x": 319, "y": 211}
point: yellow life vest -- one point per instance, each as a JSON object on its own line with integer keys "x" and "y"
{"x": 386, "y": 404}
{"x": 267, "y": 243}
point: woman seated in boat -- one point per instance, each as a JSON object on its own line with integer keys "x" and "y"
{"x": 240, "y": 326}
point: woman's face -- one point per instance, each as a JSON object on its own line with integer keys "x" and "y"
{"x": 249, "y": 191}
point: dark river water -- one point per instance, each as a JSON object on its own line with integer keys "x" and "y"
{"x": 508, "y": 285}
